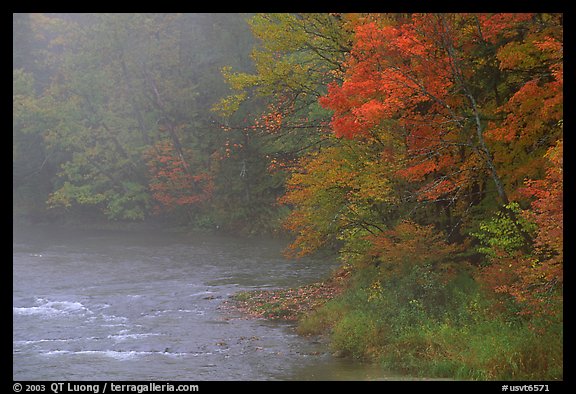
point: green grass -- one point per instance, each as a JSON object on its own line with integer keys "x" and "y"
{"x": 322, "y": 319}
{"x": 488, "y": 350}
{"x": 449, "y": 332}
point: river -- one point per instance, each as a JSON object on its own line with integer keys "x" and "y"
{"x": 145, "y": 305}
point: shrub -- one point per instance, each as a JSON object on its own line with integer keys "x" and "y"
{"x": 458, "y": 335}
{"x": 358, "y": 335}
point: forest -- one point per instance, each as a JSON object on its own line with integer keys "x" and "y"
{"x": 423, "y": 151}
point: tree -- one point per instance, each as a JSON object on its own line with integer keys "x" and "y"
{"x": 173, "y": 182}
{"x": 119, "y": 85}
{"x": 111, "y": 88}
{"x": 107, "y": 72}
{"x": 272, "y": 117}
{"x": 534, "y": 279}
{"x": 440, "y": 79}
{"x": 297, "y": 56}
{"x": 457, "y": 114}
{"x": 341, "y": 195}
{"x": 33, "y": 166}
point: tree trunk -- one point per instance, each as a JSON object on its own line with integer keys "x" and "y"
{"x": 137, "y": 113}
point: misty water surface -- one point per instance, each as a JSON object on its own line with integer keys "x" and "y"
{"x": 147, "y": 305}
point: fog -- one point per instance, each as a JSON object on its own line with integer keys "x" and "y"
{"x": 107, "y": 107}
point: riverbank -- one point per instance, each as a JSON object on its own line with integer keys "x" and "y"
{"x": 291, "y": 303}
{"x": 453, "y": 331}
{"x": 102, "y": 225}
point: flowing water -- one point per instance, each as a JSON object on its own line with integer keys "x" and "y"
{"x": 101, "y": 305}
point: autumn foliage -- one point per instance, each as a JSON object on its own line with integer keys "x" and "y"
{"x": 408, "y": 245}
{"x": 172, "y": 182}
{"x": 534, "y": 279}
{"x": 444, "y": 124}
